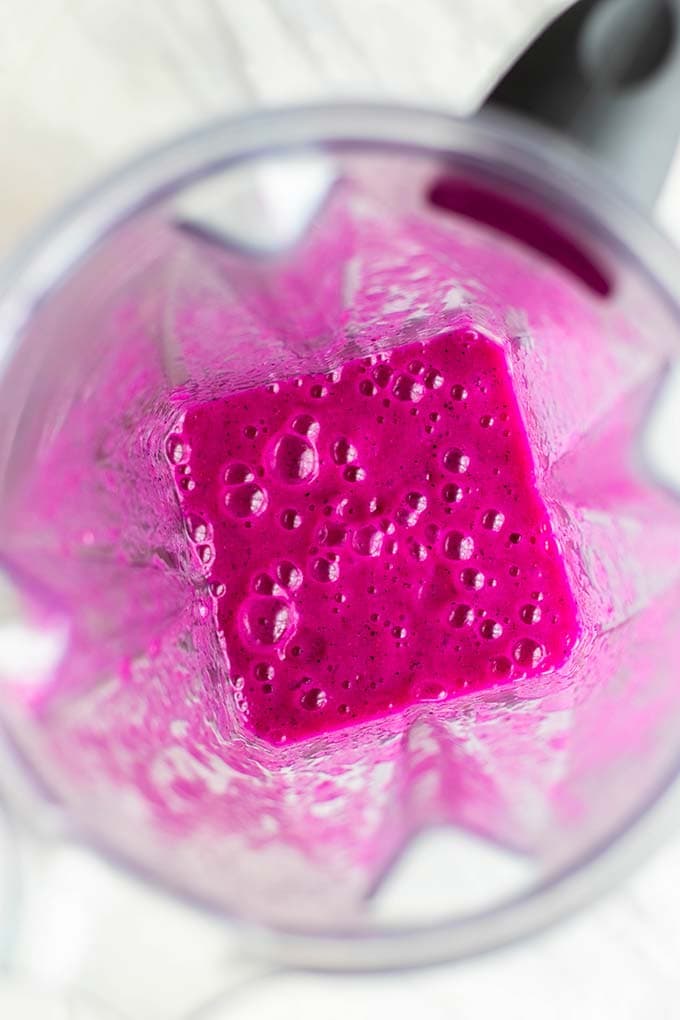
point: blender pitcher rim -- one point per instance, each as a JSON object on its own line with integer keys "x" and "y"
{"x": 78, "y": 222}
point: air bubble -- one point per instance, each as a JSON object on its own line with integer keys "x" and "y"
{"x": 177, "y": 451}
{"x": 263, "y": 584}
{"x": 295, "y": 459}
{"x": 198, "y": 530}
{"x": 527, "y": 652}
{"x": 236, "y": 474}
{"x": 247, "y": 500}
{"x": 434, "y": 380}
{"x": 459, "y": 392}
{"x": 472, "y": 578}
{"x": 530, "y": 613}
{"x": 409, "y": 518}
{"x": 406, "y": 388}
{"x": 205, "y": 554}
{"x": 306, "y": 425}
{"x": 368, "y": 541}
{"x": 452, "y": 493}
{"x": 314, "y": 699}
{"x": 382, "y": 375}
{"x": 491, "y": 630}
{"x": 429, "y": 691}
{"x": 267, "y": 621}
{"x": 325, "y": 570}
{"x": 456, "y": 461}
{"x": 289, "y": 575}
{"x": 332, "y": 534}
{"x": 458, "y": 546}
{"x": 461, "y": 616}
{"x": 291, "y": 519}
{"x": 417, "y": 501}
{"x": 493, "y": 520}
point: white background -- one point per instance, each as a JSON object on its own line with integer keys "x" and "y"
{"x": 84, "y": 83}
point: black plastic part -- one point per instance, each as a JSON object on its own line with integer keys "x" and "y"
{"x": 606, "y": 73}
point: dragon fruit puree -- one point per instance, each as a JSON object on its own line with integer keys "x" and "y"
{"x": 374, "y": 536}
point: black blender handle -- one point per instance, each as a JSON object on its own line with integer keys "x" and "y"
{"x": 606, "y": 73}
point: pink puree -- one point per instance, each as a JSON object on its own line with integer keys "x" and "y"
{"x": 374, "y": 535}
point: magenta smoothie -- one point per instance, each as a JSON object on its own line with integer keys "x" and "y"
{"x": 374, "y": 537}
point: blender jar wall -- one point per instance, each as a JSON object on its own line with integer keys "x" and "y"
{"x": 544, "y": 784}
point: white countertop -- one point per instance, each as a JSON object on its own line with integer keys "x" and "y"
{"x": 83, "y": 83}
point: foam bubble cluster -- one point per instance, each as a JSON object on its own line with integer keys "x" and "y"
{"x": 373, "y": 537}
